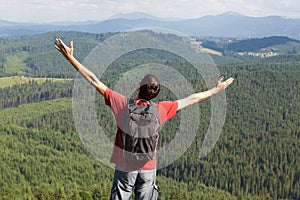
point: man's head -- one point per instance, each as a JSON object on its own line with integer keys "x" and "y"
{"x": 149, "y": 87}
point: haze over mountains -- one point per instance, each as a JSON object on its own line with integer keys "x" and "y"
{"x": 229, "y": 24}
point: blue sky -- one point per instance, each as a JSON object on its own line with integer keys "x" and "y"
{"x": 82, "y": 10}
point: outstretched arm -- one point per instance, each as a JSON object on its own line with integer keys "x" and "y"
{"x": 197, "y": 97}
{"x": 67, "y": 52}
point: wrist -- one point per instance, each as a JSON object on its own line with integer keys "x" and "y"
{"x": 71, "y": 59}
{"x": 214, "y": 90}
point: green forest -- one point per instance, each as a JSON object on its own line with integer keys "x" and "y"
{"x": 43, "y": 157}
{"x": 276, "y": 44}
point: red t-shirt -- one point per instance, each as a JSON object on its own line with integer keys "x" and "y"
{"x": 118, "y": 104}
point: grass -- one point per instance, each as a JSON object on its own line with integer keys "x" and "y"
{"x": 15, "y": 63}
{"x": 14, "y": 80}
{"x": 287, "y": 48}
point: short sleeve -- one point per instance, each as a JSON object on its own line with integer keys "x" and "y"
{"x": 166, "y": 110}
{"x": 117, "y": 102}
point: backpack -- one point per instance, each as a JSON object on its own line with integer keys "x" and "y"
{"x": 140, "y": 132}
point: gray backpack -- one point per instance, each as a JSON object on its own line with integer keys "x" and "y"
{"x": 140, "y": 132}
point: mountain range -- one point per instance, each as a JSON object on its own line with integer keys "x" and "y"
{"x": 229, "y": 24}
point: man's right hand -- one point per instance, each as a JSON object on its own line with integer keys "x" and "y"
{"x": 222, "y": 85}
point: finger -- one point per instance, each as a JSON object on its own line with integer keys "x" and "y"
{"x": 56, "y": 42}
{"x": 71, "y": 47}
{"x": 221, "y": 78}
{"x": 60, "y": 42}
{"x": 229, "y": 81}
{"x": 56, "y": 47}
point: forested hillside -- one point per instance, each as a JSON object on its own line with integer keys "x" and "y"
{"x": 36, "y": 56}
{"x": 258, "y": 152}
{"x": 278, "y": 44}
{"x": 42, "y": 157}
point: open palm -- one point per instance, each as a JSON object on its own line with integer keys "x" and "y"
{"x": 223, "y": 85}
{"x": 64, "y": 49}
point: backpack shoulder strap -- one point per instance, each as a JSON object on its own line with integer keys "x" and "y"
{"x": 130, "y": 101}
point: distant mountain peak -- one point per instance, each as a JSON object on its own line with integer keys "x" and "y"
{"x": 141, "y": 15}
{"x": 232, "y": 13}
{"x": 133, "y": 15}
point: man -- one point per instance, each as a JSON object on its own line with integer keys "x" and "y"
{"x": 140, "y": 176}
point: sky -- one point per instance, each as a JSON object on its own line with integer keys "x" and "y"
{"x": 41, "y": 11}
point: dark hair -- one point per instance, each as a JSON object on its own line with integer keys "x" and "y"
{"x": 149, "y": 87}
